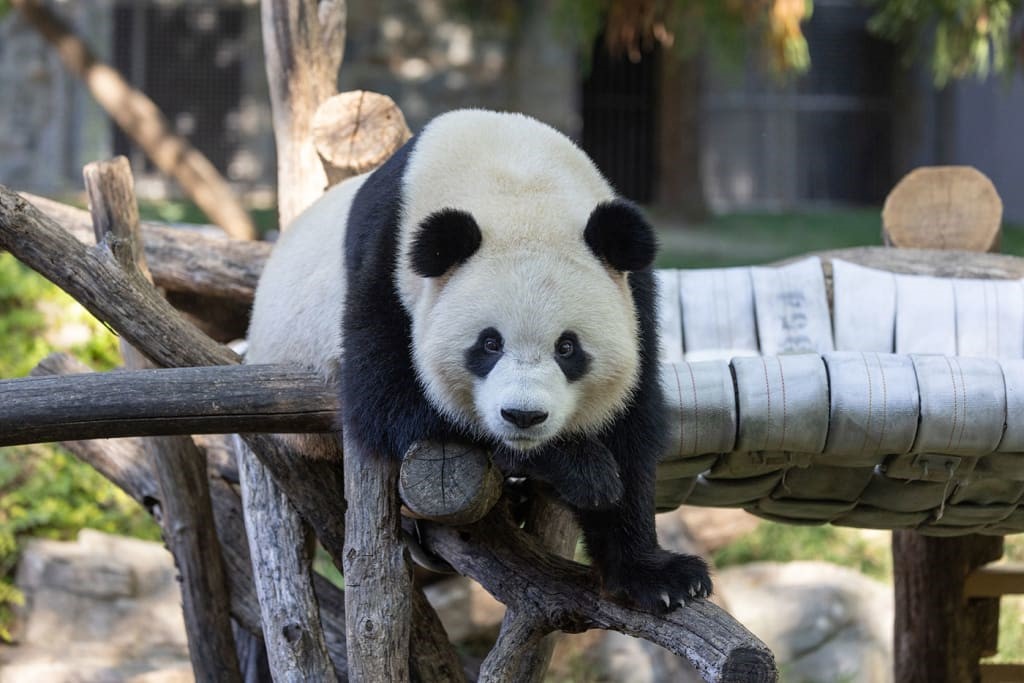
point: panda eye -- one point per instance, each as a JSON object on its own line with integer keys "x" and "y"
{"x": 565, "y": 347}
{"x": 492, "y": 344}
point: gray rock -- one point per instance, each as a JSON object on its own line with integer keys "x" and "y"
{"x": 822, "y": 621}
{"x": 103, "y": 608}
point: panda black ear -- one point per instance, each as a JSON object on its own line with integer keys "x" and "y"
{"x": 619, "y": 234}
{"x": 445, "y": 239}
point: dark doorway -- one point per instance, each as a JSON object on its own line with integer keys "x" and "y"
{"x": 619, "y": 101}
{"x": 187, "y": 59}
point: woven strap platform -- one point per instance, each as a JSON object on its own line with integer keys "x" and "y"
{"x": 899, "y": 407}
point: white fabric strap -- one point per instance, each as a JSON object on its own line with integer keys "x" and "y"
{"x": 1013, "y": 377}
{"x": 963, "y": 405}
{"x": 874, "y": 405}
{"x": 864, "y": 307}
{"x": 782, "y": 403}
{"x": 718, "y": 313}
{"x": 989, "y": 318}
{"x": 670, "y": 317}
{"x": 925, "y": 315}
{"x": 792, "y": 308}
{"x": 701, "y": 405}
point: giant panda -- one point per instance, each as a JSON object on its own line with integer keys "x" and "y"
{"x": 486, "y": 285}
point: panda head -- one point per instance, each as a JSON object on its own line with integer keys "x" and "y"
{"x": 524, "y": 341}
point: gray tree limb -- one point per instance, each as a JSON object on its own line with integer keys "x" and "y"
{"x": 180, "y": 468}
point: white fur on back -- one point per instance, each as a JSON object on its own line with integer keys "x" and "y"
{"x": 296, "y": 315}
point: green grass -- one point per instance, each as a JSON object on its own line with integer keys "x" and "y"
{"x": 751, "y": 238}
{"x": 867, "y": 553}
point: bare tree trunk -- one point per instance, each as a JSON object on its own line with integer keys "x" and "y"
{"x": 680, "y": 183}
{"x": 303, "y": 41}
{"x": 143, "y": 122}
{"x": 187, "y": 516}
{"x": 941, "y": 636}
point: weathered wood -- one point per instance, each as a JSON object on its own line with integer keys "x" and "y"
{"x": 560, "y": 594}
{"x": 186, "y": 258}
{"x": 282, "y": 560}
{"x": 448, "y": 483}
{"x": 355, "y": 132}
{"x": 123, "y": 462}
{"x": 523, "y": 651}
{"x": 180, "y": 468}
{"x": 140, "y": 118}
{"x": 144, "y": 318}
{"x": 377, "y": 578}
{"x": 941, "y": 634}
{"x": 993, "y": 580}
{"x": 208, "y": 400}
{"x": 943, "y": 207}
{"x": 303, "y": 44}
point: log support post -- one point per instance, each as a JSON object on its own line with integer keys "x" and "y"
{"x": 940, "y": 634}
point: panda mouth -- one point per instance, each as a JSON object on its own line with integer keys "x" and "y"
{"x": 520, "y": 442}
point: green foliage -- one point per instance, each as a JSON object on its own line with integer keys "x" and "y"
{"x": 724, "y": 29}
{"x": 43, "y": 490}
{"x": 772, "y": 542}
{"x": 966, "y": 37}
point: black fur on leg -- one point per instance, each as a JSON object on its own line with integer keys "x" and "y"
{"x": 622, "y": 541}
{"x": 582, "y": 473}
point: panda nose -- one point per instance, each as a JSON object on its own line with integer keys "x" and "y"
{"x": 523, "y": 418}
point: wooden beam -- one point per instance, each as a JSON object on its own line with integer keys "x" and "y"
{"x": 1002, "y": 673}
{"x": 208, "y": 400}
{"x": 994, "y": 580}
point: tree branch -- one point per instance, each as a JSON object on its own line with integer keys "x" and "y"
{"x": 181, "y": 258}
{"x": 209, "y": 400}
{"x": 180, "y": 468}
{"x": 559, "y": 594}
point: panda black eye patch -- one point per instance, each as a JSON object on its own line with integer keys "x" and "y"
{"x": 571, "y": 357}
{"x": 445, "y": 239}
{"x": 484, "y": 354}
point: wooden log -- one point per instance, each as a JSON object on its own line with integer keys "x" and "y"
{"x": 180, "y": 468}
{"x": 355, "y": 132}
{"x": 208, "y": 400}
{"x": 377, "y": 578}
{"x": 303, "y": 44}
{"x": 992, "y": 581}
{"x": 943, "y": 207}
{"x": 941, "y": 635}
{"x": 140, "y": 118}
{"x": 523, "y": 651}
{"x": 187, "y": 258}
{"x": 563, "y": 595}
{"x": 282, "y": 565}
{"x": 448, "y": 483}
{"x": 123, "y": 462}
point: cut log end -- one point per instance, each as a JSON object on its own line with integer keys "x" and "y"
{"x": 749, "y": 665}
{"x": 356, "y": 132}
{"x": 449, "y": 483}
{"x": 943, "y": 207}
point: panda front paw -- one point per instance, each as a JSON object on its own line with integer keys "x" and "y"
{"x": 660, "y": 581}
{"x": 594, "y": 492}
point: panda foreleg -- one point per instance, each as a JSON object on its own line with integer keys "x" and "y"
{"x": 623, "y": 547}
{"x": 582, "y": 473}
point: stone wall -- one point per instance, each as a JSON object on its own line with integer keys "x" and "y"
{"x": 49, "y": 125}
